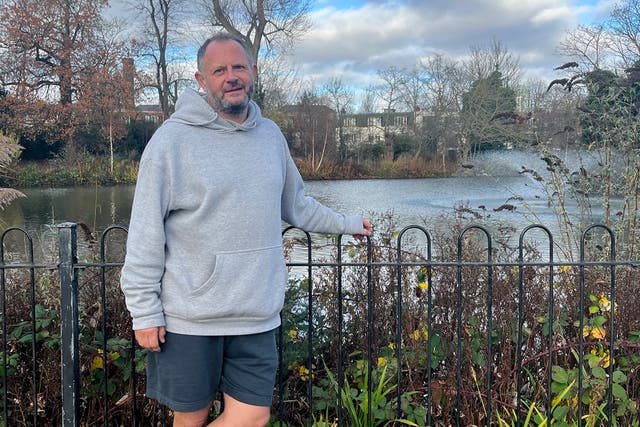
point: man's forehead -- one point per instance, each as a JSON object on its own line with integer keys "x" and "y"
{"x": 214, "y": 51}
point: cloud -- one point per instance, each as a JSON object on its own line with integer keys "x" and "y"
{"x": 362, "y": 39}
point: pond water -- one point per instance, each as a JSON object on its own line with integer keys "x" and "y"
{"x": 489, "y": 181}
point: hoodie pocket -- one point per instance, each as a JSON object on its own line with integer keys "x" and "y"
{"x": 244, "y": 285}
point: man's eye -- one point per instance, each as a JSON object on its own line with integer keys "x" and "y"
{"x": 218, "y": 71}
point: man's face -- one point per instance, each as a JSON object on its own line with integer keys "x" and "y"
{"x": 227, "y": 78}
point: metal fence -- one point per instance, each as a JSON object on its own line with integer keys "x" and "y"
{"x": 568, "y": 361}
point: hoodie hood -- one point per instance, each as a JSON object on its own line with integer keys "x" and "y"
{"x": 193, "y": 109}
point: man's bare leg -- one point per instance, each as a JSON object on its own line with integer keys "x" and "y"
{"x": 238, "y": 414}
{"x": 191, "y": 419}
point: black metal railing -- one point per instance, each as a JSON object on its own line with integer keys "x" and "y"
{"x": 97, "y": 355}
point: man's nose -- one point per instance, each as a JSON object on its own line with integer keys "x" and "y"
{"x": 231, "y": 75}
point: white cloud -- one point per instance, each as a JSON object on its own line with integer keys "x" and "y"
{"x": 552, "y": 14}
{"x": 359, "y": 41}
{"x": 355, "y": 38}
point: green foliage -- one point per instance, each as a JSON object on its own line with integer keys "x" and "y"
{"x": 116, "y": 360}
{"x": 486, "y": 99}
{"x": 535, "y": 417}
{"x": 362, "y": 411}
{"x": 110, "y": 366}
{"x": 609, "y": 108}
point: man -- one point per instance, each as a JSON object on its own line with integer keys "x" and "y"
{"x": 204, "y": 275}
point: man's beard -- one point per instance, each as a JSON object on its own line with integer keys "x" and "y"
{"x": 223, "y": 106}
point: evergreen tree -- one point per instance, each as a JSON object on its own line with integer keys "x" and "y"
{"x": 486, "y": 103}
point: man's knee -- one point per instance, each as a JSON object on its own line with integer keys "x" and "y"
{"x": 238, "y": 414}
{"x": 263, "y": 419}
{"x": 191, "y": 419}
{"x": 231, "y": 419}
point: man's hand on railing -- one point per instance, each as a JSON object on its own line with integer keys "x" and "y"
{"x": 368, "y": 229}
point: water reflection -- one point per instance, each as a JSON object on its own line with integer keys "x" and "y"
{"x": 493, "y": 181}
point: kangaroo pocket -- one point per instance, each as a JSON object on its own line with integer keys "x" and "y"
{"x": 244, "y": 285}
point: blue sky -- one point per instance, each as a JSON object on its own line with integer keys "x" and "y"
{"x": 354, "y": 38}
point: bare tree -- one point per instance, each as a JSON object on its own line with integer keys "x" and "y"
{"x": 160, "y": 44}
{"x": 414, "y": 89}
{"x": 587, "y": 45}
{"x": 444, "y": 87}
{"x": 444, "y": 84}
{"x": 624, "y": 24}
{"x": 340, "y": 98}
{"x": 310, "y": 130}
{"x": 368, "y": 100}
{"x": 486, "y": 60}
{"x": 279, "y": 82}
{"x": 278, "y": 23}
{"x": 389, "y": 92}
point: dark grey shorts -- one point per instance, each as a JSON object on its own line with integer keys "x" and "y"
{"x": 189, "y": 370}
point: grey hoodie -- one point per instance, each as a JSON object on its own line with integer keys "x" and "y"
{"x": 204, "y": 251}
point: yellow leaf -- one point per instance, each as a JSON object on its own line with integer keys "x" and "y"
{"x": 97, "y": 363}
{"x": 598, "y": 332}
{"x": 606, "y": 361}
{"x": 604, "y": 303}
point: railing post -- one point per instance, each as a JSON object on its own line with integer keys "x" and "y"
{"x": 69, "y": 324}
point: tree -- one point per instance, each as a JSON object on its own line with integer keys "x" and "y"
{"x": 389, "y": 92}
{"x": 484, "y": 105}
{"x": 443, "y": 84}
{"x": 444, "y": 87}
{"x": 368, "y": 100}
{"x": 51, "y": 53}
{"x": 611, "y": 102}
{"x": 340, "y": 99}
{"x": 587, "y": 45}
{"x": 609, "y": 119}
{"x": 414, "y": 89}
{"x": 484, "y": 61}
{"x": 279, "y": 84}
{"x": 311, "y": 130}
{"x": 279, "y": 23}
{"x": 624, "y": 24}
{"x": 104, "y": 120}
{"x": 162, "y": 29}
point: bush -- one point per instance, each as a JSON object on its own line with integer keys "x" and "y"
{"x": 419, "y": 368}
{"x": 80, "y": 170}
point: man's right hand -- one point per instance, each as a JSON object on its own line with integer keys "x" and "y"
{"x": 150, "y": 338}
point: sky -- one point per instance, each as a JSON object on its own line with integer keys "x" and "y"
{"x": 356, "y": 37}
{"x": 352, "y": 39}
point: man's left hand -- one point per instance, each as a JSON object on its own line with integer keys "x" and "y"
{"x": 367, "y": 230}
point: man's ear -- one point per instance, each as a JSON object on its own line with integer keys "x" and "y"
{"x": 255, "y": 71}
{"x": 200, "y": 80}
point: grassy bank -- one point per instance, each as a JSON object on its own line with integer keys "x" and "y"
{"x": 402, "y": 167}
{"x": 85, "y": 170}
{"x": 92, "y": 170}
